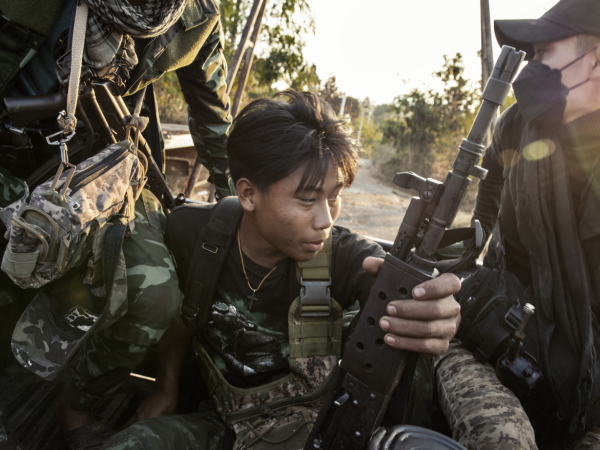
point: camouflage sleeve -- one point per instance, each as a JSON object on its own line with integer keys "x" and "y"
{"x": 203, "y": 84}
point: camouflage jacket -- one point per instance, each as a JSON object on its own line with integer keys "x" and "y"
{"x": 195, "y": 54}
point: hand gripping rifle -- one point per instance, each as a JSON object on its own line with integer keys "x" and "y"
{"x": 371, "y": 370}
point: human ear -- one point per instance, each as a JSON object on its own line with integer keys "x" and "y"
{"x": 246, "y": 192}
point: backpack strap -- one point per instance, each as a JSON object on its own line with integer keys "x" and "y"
{"x": 315, "y": 281}
{"x": 208, "y": 259}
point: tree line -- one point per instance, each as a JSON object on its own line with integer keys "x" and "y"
{"x": 417, "y": 131}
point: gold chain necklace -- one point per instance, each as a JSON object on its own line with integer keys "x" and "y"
{"x": 252, "y": 297}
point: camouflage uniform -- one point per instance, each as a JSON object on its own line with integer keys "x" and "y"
{"x": 482, "y": 412}
{"x": 107, "y": 357}
{"x": 202, "y": 430}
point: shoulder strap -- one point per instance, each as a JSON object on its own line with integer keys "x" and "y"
{"x": 208, "y": 259}
{"x": 315, "y": 281}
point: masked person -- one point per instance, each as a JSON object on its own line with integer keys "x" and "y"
{"x": 117, "y": 46}
{"x": 541, "y": 202}
{"x": 291, "y": 158}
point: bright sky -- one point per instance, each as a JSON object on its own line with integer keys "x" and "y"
{"x": 372, "y": 46}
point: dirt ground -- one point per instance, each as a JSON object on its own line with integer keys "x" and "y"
{"x": 374, "y": 206}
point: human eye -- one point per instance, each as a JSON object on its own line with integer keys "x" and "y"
{"x": 539, "y": 53}
{"x": 308, "y": 201}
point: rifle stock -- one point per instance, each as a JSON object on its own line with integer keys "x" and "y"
{"x": 371, "y": 369}
{"x": 24, "y": 110}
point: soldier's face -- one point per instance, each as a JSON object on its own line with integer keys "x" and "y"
{"x": 297, "y": 223}
{"x": 558, "y": 54}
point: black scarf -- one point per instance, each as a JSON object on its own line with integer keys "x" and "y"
{"x": 547, "y": 223}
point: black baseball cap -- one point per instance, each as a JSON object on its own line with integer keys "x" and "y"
{"x": 565, "y": 19}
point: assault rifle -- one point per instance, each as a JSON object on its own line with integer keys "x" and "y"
{"x": 371, "y": 370}
{"x": 101, "y": 108}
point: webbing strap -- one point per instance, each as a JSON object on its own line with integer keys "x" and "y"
{"x": 208, "y": 258}
{"x": 68, "y": 123}
{"x": 493, "y": 339}
{"x": 315, "y": 281}
{"x": 318, "y": 267}
{"x": 314, "y": 336}
{"x": 113, "y": 244}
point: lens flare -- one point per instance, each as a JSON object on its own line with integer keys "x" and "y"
{"x": 539, "y": 150}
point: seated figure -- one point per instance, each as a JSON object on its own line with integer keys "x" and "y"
{"x": 241, "y": 264}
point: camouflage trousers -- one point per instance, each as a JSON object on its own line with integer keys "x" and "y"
{"x": 109, "y": 356}
{"x": 203, "y": 430}
{"x": 484, "y": 414}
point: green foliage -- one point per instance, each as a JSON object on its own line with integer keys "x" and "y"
{"x": 426, "y": 126}
{"x": 370, "y": 137}
{"x": 279, "y": 53}
{"x": 171, "y": 104}
{"x": 331, "y": 94}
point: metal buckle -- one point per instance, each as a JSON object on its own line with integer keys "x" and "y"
{"x": 59, "y": 141}
{"x": 64, "y": 160}
{"x": 208, "y": 249}
{"x": 315, "y": 298}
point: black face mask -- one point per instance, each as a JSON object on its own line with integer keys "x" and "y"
{"x": 540, "y": 94}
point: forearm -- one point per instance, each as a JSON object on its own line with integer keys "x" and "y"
{"x": 204, "y": 87}
{"x": 171, "y": 352}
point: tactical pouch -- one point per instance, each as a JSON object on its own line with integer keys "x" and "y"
{"x": 49, "y": 233}
{"x": 491, "y": 303}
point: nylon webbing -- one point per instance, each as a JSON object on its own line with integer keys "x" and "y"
{"x": 68, "y": 123}
{"x": 315, "y": 336}
{"x": 318, "y": 267}
{"x": 113, "y": 244}
{"x": 208, "y": 258}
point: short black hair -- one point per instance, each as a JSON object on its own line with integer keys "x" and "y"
{"x": 273, "y": 137}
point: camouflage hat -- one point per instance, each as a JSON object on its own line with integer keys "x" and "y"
{"x": 62, "y": 315}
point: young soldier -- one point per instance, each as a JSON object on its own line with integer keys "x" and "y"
{"x": 117, "y": 49}
{"x": 541, "y": 194}
{"x": 290, "y": 158}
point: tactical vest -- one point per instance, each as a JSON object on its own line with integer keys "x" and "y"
{"x": 283, "y": 411}
{"x": 279, "y": 413}
{"x": 200, "y": 238}
{"x": 25, "y": 24}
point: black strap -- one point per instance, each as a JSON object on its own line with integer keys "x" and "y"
{"x": 113, "y": 244}
{"x": 208, "y": 259}
{"x": 493, "y": 340}
{"x": 454, "y": 235}
{"x": 152, "y": 132}
{"x": 473, "y": 236}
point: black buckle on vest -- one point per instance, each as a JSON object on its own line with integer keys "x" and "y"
{"x": 514, "y": 316}
{"x": 315, "y": 298}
